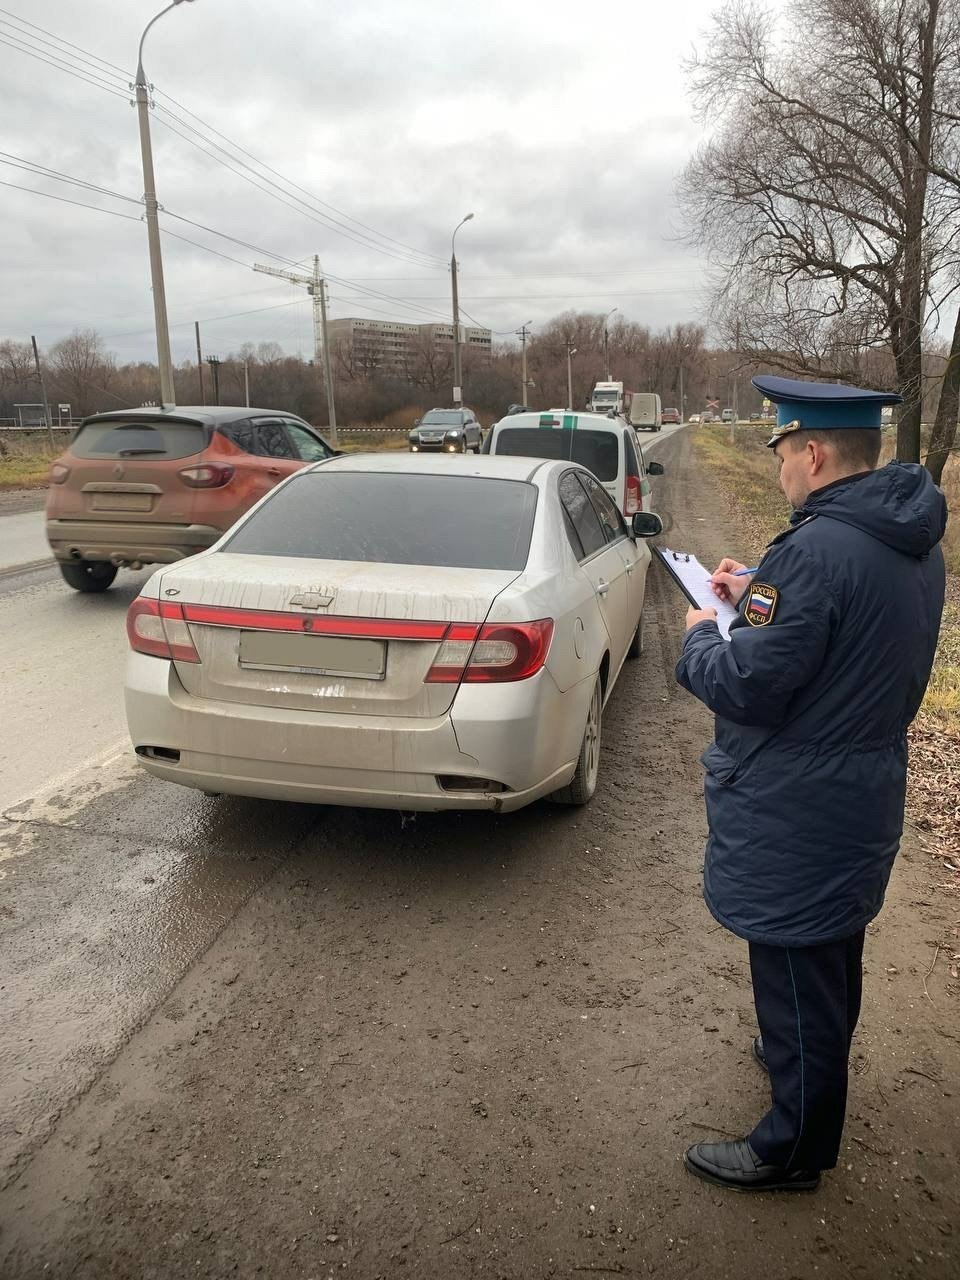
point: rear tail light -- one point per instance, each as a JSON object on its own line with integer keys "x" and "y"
{"x": 58, "y": 473}
{"x": 496, "y": 653}
{"x": 157, "y": 627}
{"x": 633, "y": 496}
{"x": 209, "y": 475}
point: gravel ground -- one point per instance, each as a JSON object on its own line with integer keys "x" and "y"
{"x": 476, "y": 1046}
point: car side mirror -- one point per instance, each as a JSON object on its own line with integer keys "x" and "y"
{"x": 647, "y": 524}
{"x": 654, "y": 468}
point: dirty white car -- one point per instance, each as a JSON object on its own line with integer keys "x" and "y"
{"x": 394, "y": 632}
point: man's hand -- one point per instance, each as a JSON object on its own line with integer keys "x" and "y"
{"x": 725, "y": 585}
{"x": 700, "y": 615}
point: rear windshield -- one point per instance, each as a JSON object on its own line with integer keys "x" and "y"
{"x": 457, "y": 521}
{"x": 598, "y": 451}
{"x": 119, "y": 439}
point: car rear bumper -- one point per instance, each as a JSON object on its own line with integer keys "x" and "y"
{"x": 118, "y": 540}
{"x": 520, "y": 743}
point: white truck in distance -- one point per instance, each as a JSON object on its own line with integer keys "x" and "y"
{"x": 608, "y": 396}
{"x": 645, "y": 411}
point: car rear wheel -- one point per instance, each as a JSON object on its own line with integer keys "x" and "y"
{"x": 583, "y": 784}
{"x": 88, "y": 575}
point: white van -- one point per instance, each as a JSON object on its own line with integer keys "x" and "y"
{"x": 645, "y": 411}
{"x": 604, "y": 444}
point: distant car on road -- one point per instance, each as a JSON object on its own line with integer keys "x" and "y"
{"x": 670, "y": 415}
{"x": 708, "y": 417}
{"x": 694, "y": 418}
{"x": 603, "y": 443}
{"x": 149, "y": 486}
{"x": 395, "y": 633}
{"x": 756, "y": 417}
{"x": 446, "y": 431}
{"x": 728, "y": 415}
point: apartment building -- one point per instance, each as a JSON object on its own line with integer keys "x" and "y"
{"x": 378, "y": 344}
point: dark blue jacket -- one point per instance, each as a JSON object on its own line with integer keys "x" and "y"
{"x": 806, "y": 777}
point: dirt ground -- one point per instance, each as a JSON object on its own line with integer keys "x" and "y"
{"x": 477, "y": 1046}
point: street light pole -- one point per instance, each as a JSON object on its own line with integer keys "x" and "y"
{"x": 571, "y": 352}
{"x": 167, "y": 392}
{"x": 457, "y": 385}
{"x": 606, "y": 358}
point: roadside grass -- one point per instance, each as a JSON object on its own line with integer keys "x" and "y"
{"x": 745, "y": 472}
{"x": 26, "y": 468}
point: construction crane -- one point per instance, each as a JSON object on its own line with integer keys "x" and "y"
{"x": 316, "y": 286}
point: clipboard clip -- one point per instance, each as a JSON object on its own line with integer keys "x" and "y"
{"x": 685, "y": 559}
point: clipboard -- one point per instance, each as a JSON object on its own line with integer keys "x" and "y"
{"x": 691, "y": 577}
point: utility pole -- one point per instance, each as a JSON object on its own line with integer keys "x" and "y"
{"x": 167, "y": 393}
{"x": 682, "y": 411}
{"x": 522, "y": 335}
{"x": 43, "y": 391}
{"x": 246, "y": 383}
{"x": 196, "y": 325}
{"x": 571, "y": 352}
{"x": 606, "y": 357}
{"x": 214, "y": 364}
{"x": 457, "y": 373}
{"x": 316, "y": 287}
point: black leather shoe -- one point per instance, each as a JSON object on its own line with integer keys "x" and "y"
{"x": 737, "y": 1166}
{"x": 758, "y": 1053}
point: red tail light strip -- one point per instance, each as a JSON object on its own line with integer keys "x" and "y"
{"x": 265, "y": 620}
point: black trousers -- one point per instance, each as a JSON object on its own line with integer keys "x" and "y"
{"x": 808, "y": 1003}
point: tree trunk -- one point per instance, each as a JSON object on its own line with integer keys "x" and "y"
{"x": 948, "y": 408}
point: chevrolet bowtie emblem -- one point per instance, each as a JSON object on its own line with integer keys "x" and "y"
{"x": 312, "y": 599}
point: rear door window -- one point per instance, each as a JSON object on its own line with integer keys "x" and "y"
{"x": 598, "y": 451}
{"x": 390, "y": 518}
{"x": 116, "y": 438}
{"x": 271, "y": 439}
{"x": 610, "y": 519}
{"x": 582, "y": 516}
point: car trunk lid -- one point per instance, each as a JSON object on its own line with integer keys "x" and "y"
{"x": 324, "y": 635}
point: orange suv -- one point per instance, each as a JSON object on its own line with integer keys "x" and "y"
{"x": 150, "y": 486}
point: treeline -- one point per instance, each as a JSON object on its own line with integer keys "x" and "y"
{"x": 81, "y": 372}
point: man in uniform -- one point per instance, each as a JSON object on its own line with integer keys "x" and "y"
{"x": 825, "y": 668}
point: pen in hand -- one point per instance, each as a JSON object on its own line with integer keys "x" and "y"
{"x": 742, "y": 573}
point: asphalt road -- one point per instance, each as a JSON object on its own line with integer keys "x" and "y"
{"x": 242, "y": 1038}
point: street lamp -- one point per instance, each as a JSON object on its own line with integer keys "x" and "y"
{"x": 606, "y": 358}
{"x": 167, "y": 393}
{"x": 571, "y": 352}
{"x": 457, "y": 389}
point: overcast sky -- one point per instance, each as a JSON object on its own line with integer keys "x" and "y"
{"x": 561, "y": 126}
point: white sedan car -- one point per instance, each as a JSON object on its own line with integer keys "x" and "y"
{"x": 394, "y": 632}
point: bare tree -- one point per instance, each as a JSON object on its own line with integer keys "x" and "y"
{"x": 82, "y": 370}
{"x": 826, "y": 197}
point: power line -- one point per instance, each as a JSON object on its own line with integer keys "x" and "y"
{"x": 289, "y": 182}
{"x": 66, "y": 67}
{"x": 271, "y": 189}
{"x": 42, "y": 171}
{"x": 59, "y": 39}
{"x": 64, "y": 200}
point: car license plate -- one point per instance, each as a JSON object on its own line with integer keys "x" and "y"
{"x": 121, "y": 502}
{"x": 313, "y": 655}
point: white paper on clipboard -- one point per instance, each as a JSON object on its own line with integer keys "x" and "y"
{"x": 688, "y": 570}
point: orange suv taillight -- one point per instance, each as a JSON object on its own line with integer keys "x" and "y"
{"x": 158, "y": 627}
{"x": 209, "y": 475}
{"x": 632, "y": 496}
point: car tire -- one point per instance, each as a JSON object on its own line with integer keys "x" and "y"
{"x": 636, "y": 644}
{"x": 88, "y": 575}
{"x": 581, "y": 787}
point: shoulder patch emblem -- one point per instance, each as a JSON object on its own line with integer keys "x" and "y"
{"x": 762, "y": 600}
